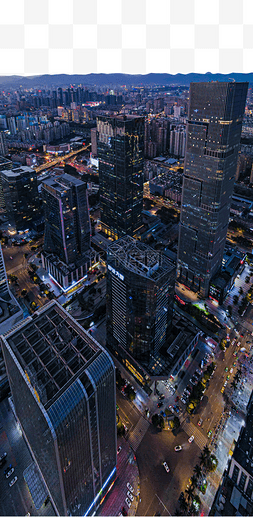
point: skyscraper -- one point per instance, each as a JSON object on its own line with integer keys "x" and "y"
{"x": 21, "y": 197}
{"x": 10, "y": 311}
{"x": 140, "y": 291}
{"x": 213, "y": 136}
{"x": 67, "y": 227}
{"x": 120, "y": 147}
{"x": 63, "y": 388}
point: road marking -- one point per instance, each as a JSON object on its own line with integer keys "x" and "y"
{"x": 138, "y": 433}
{"x": 15, "y": 269}
{"x": 191, "y": 429}
{"x": 163, "y": 505}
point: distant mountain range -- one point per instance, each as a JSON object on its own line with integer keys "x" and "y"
{"x": 64, "y": 80}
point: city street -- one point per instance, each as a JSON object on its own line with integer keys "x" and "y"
{"x": 159, "y": 490}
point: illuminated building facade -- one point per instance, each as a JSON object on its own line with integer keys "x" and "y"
{"x": 140, "y": 290}
{"x": 63, "y": 388}
{"x": 20, "y": 196}
{"x": 213, "y": 137}
{"x": 67, "y": 229}
{"x": 120, "y": 149}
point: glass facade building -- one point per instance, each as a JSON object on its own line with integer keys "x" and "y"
{"x": 140, "y": 291}
{"x": 120, "y": 149}
{"x": 67, "y": 224}
{"x": 63, "y": 387}
{"x": 20, "y": 196}
{"x": 214, "y": 126}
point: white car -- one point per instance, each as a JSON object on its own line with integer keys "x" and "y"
{"x": 130, "y": 487}
{"x": 13, "y": 481}
{"x": 9, "y": 473}
{"x": 166, "y": 466}
{"x": 190, "y": 440}
{"x": 128, "y": 502}
{"x": 183, "y": 400}
{"x": 178, "y": 448}
{"x": 131, "y": 497}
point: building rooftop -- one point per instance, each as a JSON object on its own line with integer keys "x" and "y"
{"x": 13, "y": 173}
{"x": 52, "y": 349}
{"x": 62, "y": 183}
{"x": 140, "y": 258}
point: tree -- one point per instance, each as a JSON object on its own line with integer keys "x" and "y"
{"x": 206, "y": 451}
{"x": 235, "y": 299}
{"x": 176, "y": 422}
{"x": 197, "y": 471}
{"x": 230, "y": 310}
{"x": 155, "y": 420}
{"x": 183, "y": 505}
{"x": 241, "y": 290}
{"x": 202, "y": 459}
{"x": 194, "y": 481}
{"x": 212, "y": 463}
{"x": 120, "y": 429}
{"x": 234, "y": 384}
{"x": 162, "y": 423}
{"x": 190, "y": 493}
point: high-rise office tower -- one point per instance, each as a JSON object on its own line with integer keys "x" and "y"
{"x": 4, "y": 165}
{"x": 67, "y": 228}
{"x": 3, "y": 144}
{"x": 213, "y": 136}
{"x": 140, "y": 291}
{"x": 120, "y": 147}
{"x": 21, "y": 197}
{"x": 10, "y": 311}
{"x": 63, "y": 388}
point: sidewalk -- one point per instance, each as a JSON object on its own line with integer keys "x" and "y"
{"x": 127, "y": 472}
{"x": 225, "y": 437}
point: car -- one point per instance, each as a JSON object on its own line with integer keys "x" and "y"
{"x": 226, "y": 369}
{"x": 228, "y": 377}
{"x": 234, "y": 364}
{"x": 248, "y": 342}
{"x": 7, "y": 470}
{"x": 193, "y": 381}
{"x": 166, "y": 466}
{"x": 200, "y": 422}
{"x": 130, "y": 496}
{"x": 117, "y": 407}
{"x": 130, "y": 487}
{"x": 161, "y": 397}
{"x": 9, "y": 473}
{"x": 183, "y": 399}
{"x": 187, "y": 392}
{"x": 225, "y": 383}
{"x": 128, "y": 502}
{"x": 119, "y": 449}
{"x": 190, "y": 440}
{"x": 11, "y": 483}
{"x": 178, "y": 448}
{"x": 222, "y": 389}
{"x": 198, "y": 371}
{"x": 209, "y": 434}
{"x": 160, "y": 404}
{"x": 3, "y": 456}
{"x": 123, "y": 510}
{"x": 189, "y": 388}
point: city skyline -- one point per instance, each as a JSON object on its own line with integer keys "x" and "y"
{"x": 129, "y": 382}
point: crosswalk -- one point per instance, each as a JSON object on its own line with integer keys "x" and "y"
{"x": 138, "y": 433}
{"x": 199, "y": 438}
